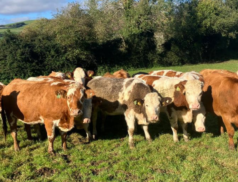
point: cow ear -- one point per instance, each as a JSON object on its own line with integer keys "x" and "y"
{"x": 89, "y": 93}
{"x": 138, "y": 102}
{"x": 90, "y": 73}
{"x": 166, "y": 101}
{"x": 60, "y": 94}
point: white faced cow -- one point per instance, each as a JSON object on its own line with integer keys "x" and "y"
{"x": 131, "y": 97}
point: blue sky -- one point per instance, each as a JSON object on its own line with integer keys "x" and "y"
{"x": 12, "y": 11}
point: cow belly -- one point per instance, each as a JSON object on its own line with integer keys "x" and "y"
{"x": 118, "y": 111}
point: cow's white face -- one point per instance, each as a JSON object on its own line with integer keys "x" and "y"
{"x": 79, "y": 76}
{"x": 152, "y": 104}
{"x": 193, "y": 93}
{"x": 75, "y": 98}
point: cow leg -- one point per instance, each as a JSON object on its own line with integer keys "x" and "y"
{"x": 63, "y": 139}
{"x": 221, "y": 125}
{"x": 185, "y": 131}
{"x": 88, "y": 133}
{"x": 28, "y": 131}
{"x": 147, "y": 134}
{"x": 50, "y": 129}
{"x": 103, "y": 119}
{"x": 13, "y": 125}
{"x": 174, "y": 126}
{"x": 94, "y": 121}
{"x": 130, "y": 120}
{"x": 230, "y": 131}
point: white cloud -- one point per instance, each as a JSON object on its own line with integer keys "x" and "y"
{"x": 11, "y": 7}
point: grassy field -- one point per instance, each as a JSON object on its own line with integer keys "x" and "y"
{"x": 17, "y": 30}
{"x": 204, "y": 158}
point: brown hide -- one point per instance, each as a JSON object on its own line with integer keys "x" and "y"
{"x": 118, "y": 74}
{"x": 40, "y": 102}
{"x": 220, "y": 92}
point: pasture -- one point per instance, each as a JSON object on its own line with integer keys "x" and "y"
{"x": 205, "y": 157}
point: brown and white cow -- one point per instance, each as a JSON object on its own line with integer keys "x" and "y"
{"x": 118, "y": 74}
{"x": 81, "y": 76}
{"x": 186, "y": 96}
{"x": 35, "y": 102}
{"x": 191, "y": 75}
{"x": 57, "y": 74}
{"x": 131, "y": 97}
{"x": 220, "y": 92}
{"x": 81, "y": 122}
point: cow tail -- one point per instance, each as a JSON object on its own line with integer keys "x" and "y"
{"x": 4, "y": 122}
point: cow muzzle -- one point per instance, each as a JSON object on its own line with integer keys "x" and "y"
{"x": 86, "y": 120}
{"x": 153, "y": 119}
{"x": 195, "y": 106}
{"x": 76, "y": 112}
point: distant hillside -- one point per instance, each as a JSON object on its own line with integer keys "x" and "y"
{"x": 14, "y": 27}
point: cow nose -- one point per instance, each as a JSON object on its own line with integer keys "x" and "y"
{"x": 86, "y": 120}
{"x": 154, "y": 118}
{"x": 195, "y": 106}
{"x": 200, "y": 129}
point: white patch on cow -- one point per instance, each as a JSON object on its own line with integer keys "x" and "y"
{"x": 60, "y": 75}
{"x": 165, "y": 85}
{"x": 193, "y": 89}
{"x": 69, "y": 81}
{"x": 40, "y": 121}
{"x": 124, "y": 95}
{"x": 152, "y": 106}
{"x": 36, "y": 79}
{"x": 96, "y": 77}
{"x": 192, "y": 75}
{"x": 79, "y": 75}
{"x": 1, "y": 84}
{"x": 56, "y": 123}
{"x": 55, "y": 83}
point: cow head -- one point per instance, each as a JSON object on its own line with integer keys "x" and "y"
{"x": 79, "y": 75}
{"x": 151, "y": 105}
{"x": 74, "y": 96}
{"x": 192, "y": 90}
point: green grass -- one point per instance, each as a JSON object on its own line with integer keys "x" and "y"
{"x": 204, "y": 158}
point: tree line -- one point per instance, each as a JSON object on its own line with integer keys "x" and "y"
{"x": 107, "y": 35}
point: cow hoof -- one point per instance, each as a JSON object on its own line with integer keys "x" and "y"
{"x": 186, "y": 139}
{"x": 176, "y": 140}
{"x": 149, "y": 140}
{"x": 231, "y": 147}
{"x": 51, "y": 153}
{"x": 132, "y": 145}
{"x": 95, "y": 137}
{"x": 87, "y": 140}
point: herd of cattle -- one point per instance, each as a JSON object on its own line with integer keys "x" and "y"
{"x": 68, "y": 100}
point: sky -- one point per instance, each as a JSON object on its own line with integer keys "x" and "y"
{"x": 12, "y": 11}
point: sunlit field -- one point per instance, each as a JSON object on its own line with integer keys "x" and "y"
{"x": 205, "y": 157}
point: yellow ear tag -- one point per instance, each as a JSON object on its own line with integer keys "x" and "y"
{"x": 69, "y": 76}
{"x": 139, "y": 103}
{"x": 90, "y": 75}
{"x": 58, "y": 96}
{"x": 135, "y": 102}
{"x": 177, "y": 89}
